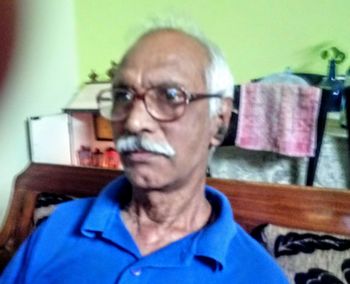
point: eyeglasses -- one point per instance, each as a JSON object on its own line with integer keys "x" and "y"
{"x": 162, "y": 103}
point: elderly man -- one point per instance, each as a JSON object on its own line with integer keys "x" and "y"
{"x": 169, "y": 106}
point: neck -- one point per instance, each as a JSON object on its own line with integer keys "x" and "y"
{"x": 156, "y": 218}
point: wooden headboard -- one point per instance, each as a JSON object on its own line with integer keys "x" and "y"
{"x": 301, "y": 207}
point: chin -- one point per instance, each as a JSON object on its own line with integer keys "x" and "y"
{"x": 147, "y": 178}
{"x": 151, "y": 172}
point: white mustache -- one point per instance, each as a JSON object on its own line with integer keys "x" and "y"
{"x": 131, "y": 143}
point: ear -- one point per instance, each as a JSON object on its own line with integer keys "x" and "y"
{"x": 221, "y": 122}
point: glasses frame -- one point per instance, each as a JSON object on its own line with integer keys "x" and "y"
{"x": 190, "y": 97}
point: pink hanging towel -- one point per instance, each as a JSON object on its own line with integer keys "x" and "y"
{"x": 281, "y": 118}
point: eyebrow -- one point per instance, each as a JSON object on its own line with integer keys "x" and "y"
{"x": 167, "y": 84}
{"x": 120, "y": 84}
{"x": 162, "y": 84}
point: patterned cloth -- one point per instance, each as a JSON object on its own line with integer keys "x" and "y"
{"x": 307, "y": 256}
{"x": 281, "y": 118}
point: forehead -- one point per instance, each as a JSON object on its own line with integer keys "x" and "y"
{"x": 165, "y": 55}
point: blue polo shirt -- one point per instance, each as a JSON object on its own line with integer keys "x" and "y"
{"x": 86, "y": 241}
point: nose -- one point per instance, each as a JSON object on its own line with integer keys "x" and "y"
{"x": 138, "y": 119}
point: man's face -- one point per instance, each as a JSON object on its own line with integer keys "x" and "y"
{"x": 158, "y": 59}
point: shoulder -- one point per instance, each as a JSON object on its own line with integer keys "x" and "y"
{"x": 41, "y": 247}
{"x": 65, "y": 220}
{"x": 245, "y": 258}
{"x": 78, "y": 209}
{"x": 253, "y": 260}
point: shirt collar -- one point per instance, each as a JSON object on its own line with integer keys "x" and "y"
{"x": 106, "y": 205}
{"x": 211, "y": 242}
{"x": 104, "y": 217}
{"x": 214, "y": 240}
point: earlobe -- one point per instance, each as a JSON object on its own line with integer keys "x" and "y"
{"x": 222, "y": 120}
{"x": 220, "y": 135}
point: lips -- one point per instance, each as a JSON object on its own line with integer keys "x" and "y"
{"x": 138, "y": 156}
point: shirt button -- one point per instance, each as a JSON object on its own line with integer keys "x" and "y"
{"x": 136, "y": 271}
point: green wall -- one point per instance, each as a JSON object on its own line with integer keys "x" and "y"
{"x": 258, "y": 37}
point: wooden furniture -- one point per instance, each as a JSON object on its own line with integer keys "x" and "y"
{"x": 254, "y": 203}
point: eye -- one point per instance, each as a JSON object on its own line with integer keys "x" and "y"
{"x": 122, "y": 95}
{"x": 172, "y": 95}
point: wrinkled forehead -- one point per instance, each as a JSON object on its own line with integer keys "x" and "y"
{"x": 167, "y": 49}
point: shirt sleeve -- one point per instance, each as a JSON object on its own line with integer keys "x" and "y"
{"x": 18, "y": 269}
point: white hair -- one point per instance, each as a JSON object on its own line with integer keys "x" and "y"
{"x": 218, "y": 77}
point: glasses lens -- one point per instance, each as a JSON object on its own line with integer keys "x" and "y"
{"x": 104, "y": 101}
{"x": 114, "y": 104}
{"x": 165, "y": 103}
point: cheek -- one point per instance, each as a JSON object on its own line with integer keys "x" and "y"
{"x": 191, "y": 139}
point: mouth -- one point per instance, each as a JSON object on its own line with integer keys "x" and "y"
{"x": 139, "y": 156}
